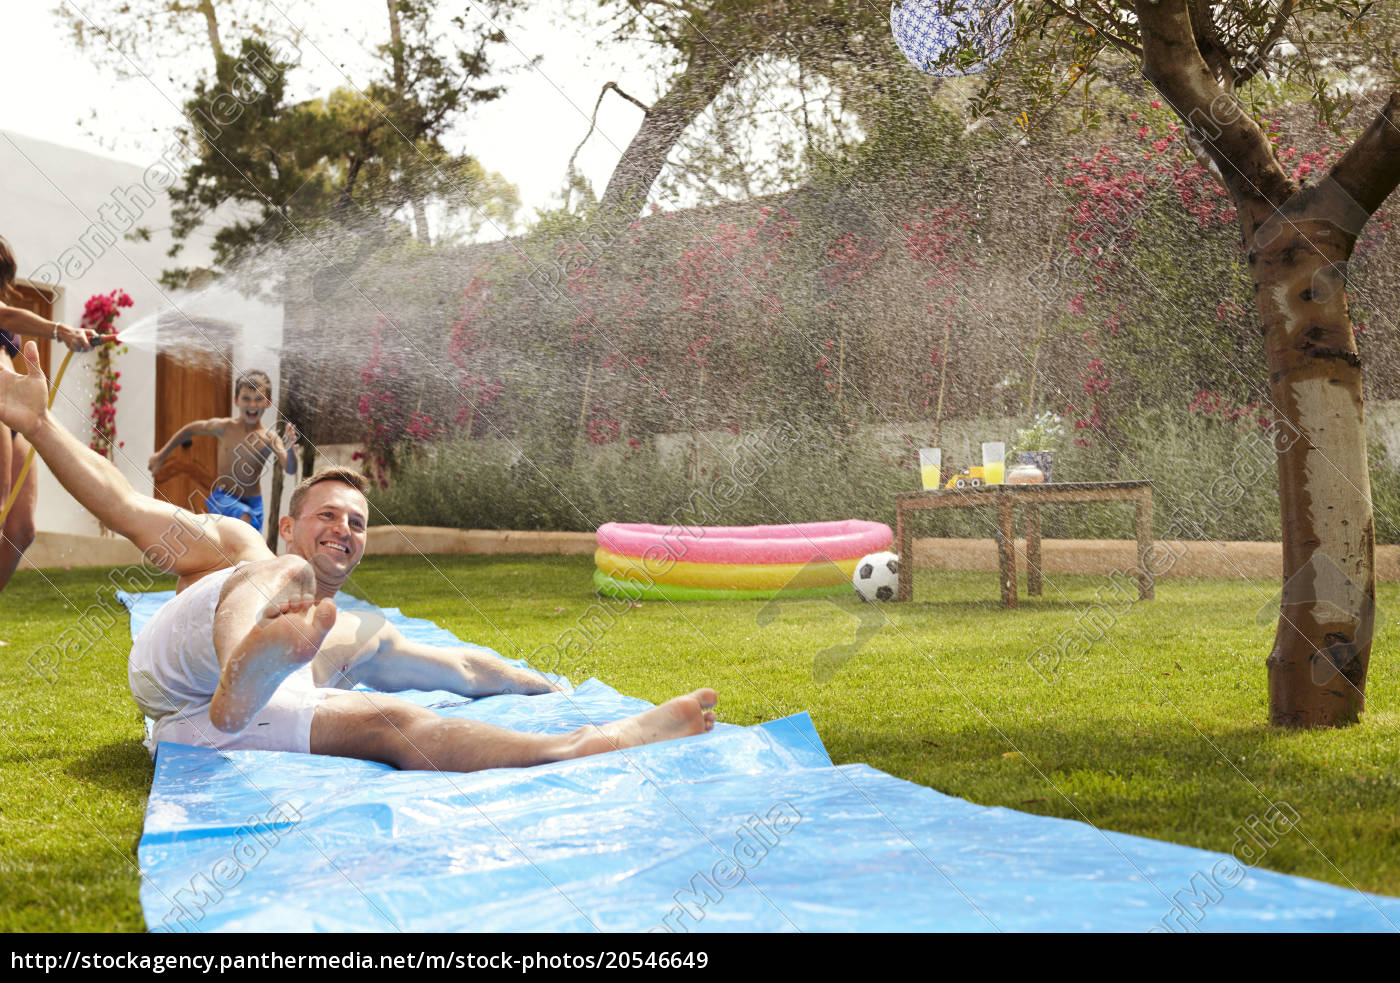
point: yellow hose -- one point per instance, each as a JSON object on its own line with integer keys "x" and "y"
{"x": 29, "y": 458}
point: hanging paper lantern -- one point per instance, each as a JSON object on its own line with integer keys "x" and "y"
{"x": 928, "y": 32}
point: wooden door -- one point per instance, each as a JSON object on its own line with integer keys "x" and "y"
{"x": 191, "y": 389}
{"x": 32, "y": 298}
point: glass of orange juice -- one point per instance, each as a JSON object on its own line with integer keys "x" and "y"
{"x": 930, "y": 466}
{"x": 993, "y": 462}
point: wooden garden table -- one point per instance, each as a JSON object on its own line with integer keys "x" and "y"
{"x": 1004, "y": 498}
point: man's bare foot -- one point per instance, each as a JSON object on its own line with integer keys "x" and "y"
{"x": 23, "y": 395}
{"x": 286, "y": 636}
{"x": 683, "y": 716}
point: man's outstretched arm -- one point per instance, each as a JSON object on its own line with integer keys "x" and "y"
{"x": 174, "y": 539}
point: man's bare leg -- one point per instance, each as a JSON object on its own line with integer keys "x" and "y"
{"x": 19, "y": 524}
{"x": 383, "y": 728}
{"x": 176, "y": 540}
{"x": 267, "y": 625}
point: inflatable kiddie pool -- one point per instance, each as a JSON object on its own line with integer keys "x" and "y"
{"x": 693, "y": 563}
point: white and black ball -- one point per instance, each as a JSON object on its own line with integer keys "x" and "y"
{"x": 877, "y": 577}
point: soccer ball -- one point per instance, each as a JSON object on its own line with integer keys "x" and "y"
{"x": 877, "y": 577}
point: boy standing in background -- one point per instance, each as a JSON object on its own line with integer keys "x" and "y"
{"x": 244, "y": 447}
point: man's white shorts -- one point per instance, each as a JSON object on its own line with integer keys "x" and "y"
{"x": 283, "y": 725}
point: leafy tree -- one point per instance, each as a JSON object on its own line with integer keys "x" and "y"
{"x": 130, "y": 36}
{"x": 1298, "y": 239}
{"x": 264, "y": 167}
{"x": 726, "y": 57}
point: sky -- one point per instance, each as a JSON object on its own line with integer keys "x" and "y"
{"x": 54, "y": 91}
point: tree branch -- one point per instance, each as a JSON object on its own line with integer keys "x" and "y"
{"x": 1120, "y": 43}
{"x": 1255, "y": 62}
{"x": 706, "y": 74}
{"x": 211, "y": 23}
{"x": 1173, "y": 63}
{"x": 592, "y": 125}
{"x": 1370, "y": 169}
{"x": 633, "y": 100}
{"x": 1213, "y": 52}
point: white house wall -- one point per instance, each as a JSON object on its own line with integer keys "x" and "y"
{"x": 66, "y": 212}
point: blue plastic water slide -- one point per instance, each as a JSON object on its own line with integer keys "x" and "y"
{"x": 743, "y": 829}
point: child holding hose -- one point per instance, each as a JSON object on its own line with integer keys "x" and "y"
{"x": 15, "y": 322}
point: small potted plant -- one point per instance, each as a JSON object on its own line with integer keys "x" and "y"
{"x": 1036, "y": 445}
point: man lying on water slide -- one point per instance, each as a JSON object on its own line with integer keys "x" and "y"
{"x": 251, "y": 652}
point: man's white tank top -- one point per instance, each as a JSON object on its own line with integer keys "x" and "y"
{"x": 173, "y": 667}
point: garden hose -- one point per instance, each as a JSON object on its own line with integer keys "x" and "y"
{"x": 29, "y": 458}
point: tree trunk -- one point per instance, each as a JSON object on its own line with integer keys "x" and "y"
{"x": 420, "y": 220}
{"x": 1300, "y": 240}
{"x": 396, "y": 46}
{"x": 1317, "y": 668}
{"x": 396, "y": 53}
{"x": 942, "y": 382}
{"x": 211, "y": 24}
{"x": 705, "y": 76}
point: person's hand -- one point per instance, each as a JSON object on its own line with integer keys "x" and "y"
{"x": 289, "y": 435}
{"x": 77, "y": 339}
{"x": 23, "y": 397}
{"x": 153, "y": 463}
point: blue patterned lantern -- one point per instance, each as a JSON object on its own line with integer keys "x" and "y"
{"x": 928, "y": 31}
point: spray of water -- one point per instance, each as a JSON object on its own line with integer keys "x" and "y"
{"x": 939, "y": 290}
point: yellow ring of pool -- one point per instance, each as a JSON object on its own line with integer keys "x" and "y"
{"x": 725, "y": 576}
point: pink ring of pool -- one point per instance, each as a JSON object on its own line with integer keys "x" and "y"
{"x": 803, "y": 542}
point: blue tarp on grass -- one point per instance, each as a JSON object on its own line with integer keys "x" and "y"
{"x": 747, "y": 829}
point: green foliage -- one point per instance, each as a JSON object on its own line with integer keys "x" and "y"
{"x": 1061, "y": 47}
{"x": 355, "y": 158}
{"x": 1213, "y": 479}
{"x": 1045, "y": 433}
{"x": 1158, "y": 354}
{"x": 253, "y": 147}
{"x": 767, "y": 87}
{"x": 1385, "y": 495}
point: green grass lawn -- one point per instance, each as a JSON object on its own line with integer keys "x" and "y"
{"x": 1159, "y": 729}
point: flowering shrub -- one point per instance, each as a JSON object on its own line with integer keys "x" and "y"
{"x": 467, "y": 349}
{"x": 1214, "y": 405}
{"x": 602, "y": 428}
{"x": 727, "y": 316}
{"x": 849, "y": 258}
{"x": 379, "y": 407}
{"x": 100, "y": 313}
{"x": 937, "y": 240}
{"x": 1133, "y": 209}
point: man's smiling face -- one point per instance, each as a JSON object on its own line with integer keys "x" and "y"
{"x": 330, "y": 532}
